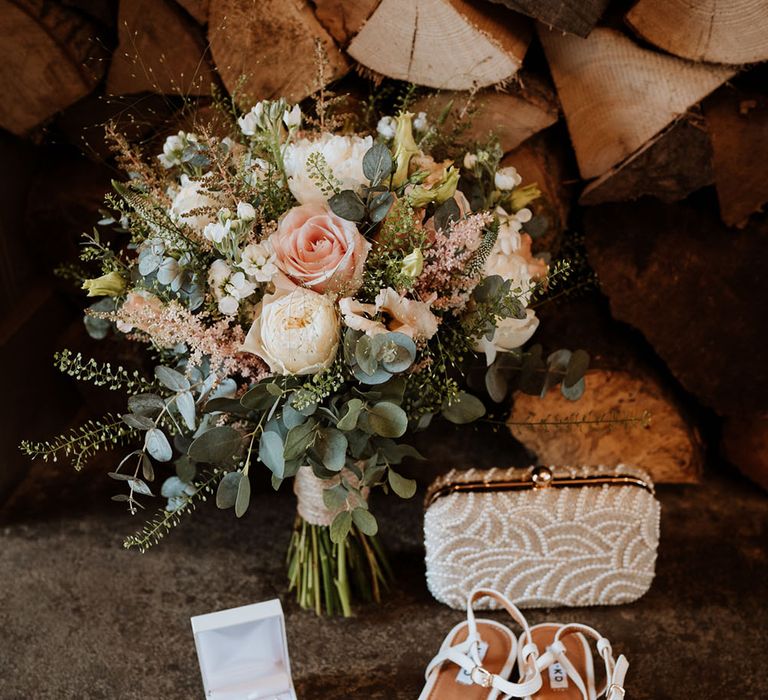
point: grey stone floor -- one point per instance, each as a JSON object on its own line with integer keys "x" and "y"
{"x": 82, "y": 618}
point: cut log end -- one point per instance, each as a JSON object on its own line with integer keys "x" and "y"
{"x": 617, "y": 96}
{"x": 726, "y": 31}
{"x": 668, "y": 448}
{"x": 447, "y": 44}
{"x": 268, "y": 48}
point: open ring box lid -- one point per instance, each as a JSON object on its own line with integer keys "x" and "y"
{"x": 243, "y": 653}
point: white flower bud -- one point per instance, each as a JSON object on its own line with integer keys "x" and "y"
{"x": 386, "y": 128}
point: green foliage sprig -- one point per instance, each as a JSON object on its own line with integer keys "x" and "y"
{"x": 82, "y": 442}
{"x": 165, "y": 520}
{"x": 100, "y": 373}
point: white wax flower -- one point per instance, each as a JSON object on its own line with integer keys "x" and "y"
{"x": 507, "y": 178}
{"x": 292, "y": 117}
{"x": 420, "y": 121}
{"x": 386, "y": 127}
{"x": 253, "y": 121}
{"x": 229, "y": 288}
{"x": 295, "y": 333}
{"x": 343, "y": 156}
{"x": 217, "y": 231}
{"x": 245, "y": 211}
{"x": 258, "y": 261}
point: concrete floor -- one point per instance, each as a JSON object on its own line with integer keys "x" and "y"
{"x": 82, "y": 618}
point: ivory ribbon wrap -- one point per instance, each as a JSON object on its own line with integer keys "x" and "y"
{"x": 309, "y": 492}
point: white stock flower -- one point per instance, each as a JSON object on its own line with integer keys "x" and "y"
{"x": 245, "y": 211}
{"x": 253, "y": 121}
{"x": 507, "y": 178}
{"x": 420, "y": 121}
{"x": 386, "y": 127}
{"x": 470, "y": 160}
{"x": 217, "y": 231}
{"x": 292, "y": 117}
{"x": 258, "y": 261}
{"x": 295, "y": 333}
{"x": 228, "y": 288}
{"x": 343, "y": 156}
{"x": 192, "y": 195}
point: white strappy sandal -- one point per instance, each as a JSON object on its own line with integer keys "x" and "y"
{"x": 485, "y": 652}
{"x": 567, "y": 666}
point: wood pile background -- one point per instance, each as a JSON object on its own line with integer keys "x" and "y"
{"x": 645, "y": 125}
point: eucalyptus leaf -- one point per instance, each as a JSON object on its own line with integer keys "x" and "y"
{"x": 217, "y": 445}
{"x": 496, "y": 384}
{"x": 341, "y": 526}
{"x": 298, "y": 440}
{"x": 349, "y": 420}
{"x": 224, "y": 405}
{"x": 138, "y": 486}
{"x": 136, "y": 420}
{"x": 365, "y": 521}
{"x": 377, "y": 163}
{"x": 365, "y": 355}
{"x": 117, "y": 476}
{"x": 394, "y": 453}
{"x": 147, "y": 470}
{"x": 145, "y": 404}
{"x": 271, "y": 453}
{"x": 291, "y": 417}
{"x": 185, "y": 469}
{"x": 185, "y": 402}
{"x": 464, "y": 409}
{"x": 335, "y": 497}
{"x": 171, "y": 379}
{"x": 257, "y": 398}
{"x": 447, "y": 212}
{"x": 347, "y": 205}
{"x": 157, "y": 445}
{"x": 387, "y": 419}
{"x": 577, "y": 368}
{"x": 243, "y": 498}
{"x": 226, "y": 493}
{"x": 574, "y": 392}
{"x": 331, "y": 444}
{"x": 405, "y": 488}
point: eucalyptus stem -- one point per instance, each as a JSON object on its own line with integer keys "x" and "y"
{"x": 329, "y": 578}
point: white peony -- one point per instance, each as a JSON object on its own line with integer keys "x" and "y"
{"x": 507, "y": 178}
{"x": 295, "y": 333}
{"x": 510, "y": 334}
{"x": 229, "y": 287}
{"x": 343, "y": 156}
{"x": 192, "y": 195}
{"x": 258, "y": 261}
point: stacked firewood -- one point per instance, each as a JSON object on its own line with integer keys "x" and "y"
{"x": 645, "y": 127}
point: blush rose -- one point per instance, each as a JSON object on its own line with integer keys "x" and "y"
{"x": 316, "y": 249}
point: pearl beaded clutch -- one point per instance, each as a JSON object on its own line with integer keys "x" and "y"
{"x": 544, "y": 537}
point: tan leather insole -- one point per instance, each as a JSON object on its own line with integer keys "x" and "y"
{"x": 574, "y": 649}
{"x": 499, "y": 649}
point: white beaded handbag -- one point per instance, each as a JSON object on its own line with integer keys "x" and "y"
{"x": 544, "y": 536}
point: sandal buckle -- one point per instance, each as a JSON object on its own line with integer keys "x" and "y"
{"x": 615, "y": 687}
{"x": 481, "y": 676}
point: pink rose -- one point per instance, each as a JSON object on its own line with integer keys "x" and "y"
{"x": 314, "y": 248}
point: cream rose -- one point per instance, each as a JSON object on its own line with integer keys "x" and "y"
{"x": 295, "y": 332}
{"x": 343, "y": 157}
{"x": 314, "y": 248}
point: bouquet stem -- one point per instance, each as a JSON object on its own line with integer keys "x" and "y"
{"x": 328, "y": 578}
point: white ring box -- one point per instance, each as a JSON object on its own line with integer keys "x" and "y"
{"x": 243, "y": 653}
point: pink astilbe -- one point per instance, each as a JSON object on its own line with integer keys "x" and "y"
{"x": 446, "y": 262}
{"x": 169, "y": 324}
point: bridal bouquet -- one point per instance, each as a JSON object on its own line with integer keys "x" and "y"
{"x": 310, "y": 296}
